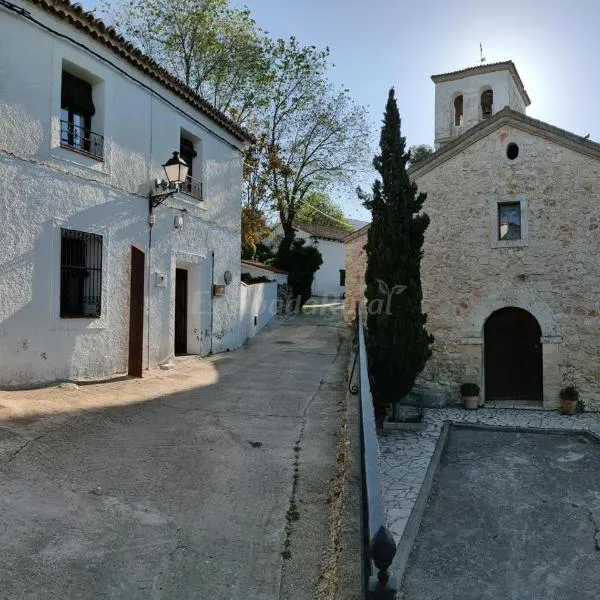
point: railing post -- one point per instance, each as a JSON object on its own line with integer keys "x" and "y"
{"x": 382, "y": 586}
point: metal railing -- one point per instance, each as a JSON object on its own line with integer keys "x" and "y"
{"x": 379, "y": 547}
{"x": 81, "y": 139}
{"x": 192, "y": 187}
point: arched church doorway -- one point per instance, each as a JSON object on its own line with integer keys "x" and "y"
{"x": 513, "y": 356}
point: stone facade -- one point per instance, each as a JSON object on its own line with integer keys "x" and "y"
{"x": 356, "y": 260}
{"x": 552, "y": 272}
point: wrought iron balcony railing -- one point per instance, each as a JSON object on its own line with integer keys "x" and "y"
{"x": 192, "y": 187}
{"x": 81, "y": 139}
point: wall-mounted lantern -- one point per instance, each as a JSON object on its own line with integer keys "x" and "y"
{"x": 176, "y": 170}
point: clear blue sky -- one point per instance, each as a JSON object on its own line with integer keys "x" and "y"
{"x": 376, "y": 44}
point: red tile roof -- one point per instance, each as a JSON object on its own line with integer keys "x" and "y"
{"x": 255, "y": 263}
{"x": 327, "y": 233}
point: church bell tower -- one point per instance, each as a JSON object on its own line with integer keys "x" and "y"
{"x": 465, "y": 98}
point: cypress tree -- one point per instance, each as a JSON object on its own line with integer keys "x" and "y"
{"x": 398, "y": 344}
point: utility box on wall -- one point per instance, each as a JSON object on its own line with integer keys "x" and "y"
{"x": 218, "y": 290}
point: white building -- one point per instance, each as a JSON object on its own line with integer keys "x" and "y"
{"x": 330, "y": 279}
{"x": 89, "y": 287}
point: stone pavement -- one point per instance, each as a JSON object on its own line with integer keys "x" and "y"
{"x": 511, "y": 515}
{"x": 190, "y": 484}
{"x": 405, "y": 455}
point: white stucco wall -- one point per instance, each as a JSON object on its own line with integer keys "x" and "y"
{"x": 46, "y": 187}
{"x": 327, "y": 278}
{"x": 258, "y": 305}
{"x": 471, "y": 87}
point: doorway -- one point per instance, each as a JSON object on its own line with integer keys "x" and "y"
{"x": 513, "y": 356}
{"x": 181, "y": 310}
{"x": 136, "y": 313}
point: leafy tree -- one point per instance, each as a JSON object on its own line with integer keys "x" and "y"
{"x": 218, "y": 51}
{"x": 398, "y": 343}
{"x": 419, "y": 153}
{"x": 254, "y": 230}
{"x": 318, "y": 209}
{"x": 313, "y": 134}
{"x": 301, "y": 262}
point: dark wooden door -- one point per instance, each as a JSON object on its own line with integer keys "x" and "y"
{"x": 136, "y": 313}
{"x": 513, "y": 356}
{"x": 181, "y": 296}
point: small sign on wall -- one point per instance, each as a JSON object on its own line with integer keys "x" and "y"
{"x": 218, "y": 290}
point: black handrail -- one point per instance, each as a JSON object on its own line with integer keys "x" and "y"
{"x": 81, "y": 139}
{"x": 379, "y": 545}
{"x": 192, "y": 187}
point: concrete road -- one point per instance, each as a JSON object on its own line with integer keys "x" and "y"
{"x": 512, "y": 516}
{"x": 184, "y": 485}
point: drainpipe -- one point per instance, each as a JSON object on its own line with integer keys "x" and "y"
{"x": 151, "y": 221}
{"x": 212, "y": 281}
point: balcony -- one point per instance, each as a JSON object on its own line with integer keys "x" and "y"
{"x": 192, "y": 187}
{"x": 81, "y": 140}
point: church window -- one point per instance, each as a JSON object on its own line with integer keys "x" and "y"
{"x": 512, "y": 151}
{"x": 509, "y": 221}
{"x": 487, "y": 101}
{"x": 458, "y": 110}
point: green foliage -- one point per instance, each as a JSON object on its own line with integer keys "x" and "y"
{"x": 301, "y": 262}
{"x": 318, "y": 209}
{"x": 569, "y": 393}
{"x": 218, "y": 51}
{"x": 254, "y": 230}
{"x": 310, "y": 133}
{"x": 419, "y": 153}
{"x": 398, "y": 343}
{"x": 469, "y": 389}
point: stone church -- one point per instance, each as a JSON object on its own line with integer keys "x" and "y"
{"x": 511, "y": 264}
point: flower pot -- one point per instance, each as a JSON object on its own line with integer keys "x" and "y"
{"x": 471, "y": 402}
{"x": 569, "y": 407}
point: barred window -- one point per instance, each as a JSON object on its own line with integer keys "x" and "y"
{"x": 80, "y": 274}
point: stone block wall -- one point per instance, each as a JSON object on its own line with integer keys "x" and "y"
{"x": 356, "y": 263}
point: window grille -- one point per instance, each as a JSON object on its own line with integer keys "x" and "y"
{"x": 80, "y": 274}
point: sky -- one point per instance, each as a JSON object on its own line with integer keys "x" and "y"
{"x": 377, "y": 44}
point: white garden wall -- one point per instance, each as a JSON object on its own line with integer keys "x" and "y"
{"x": 258, "y": 305}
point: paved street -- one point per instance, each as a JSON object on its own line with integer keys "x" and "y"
{"x": 178, "y": 486}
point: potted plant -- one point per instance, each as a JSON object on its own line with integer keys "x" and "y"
{"x": 470, "y": 395}
{"x": 569, "y": 400}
